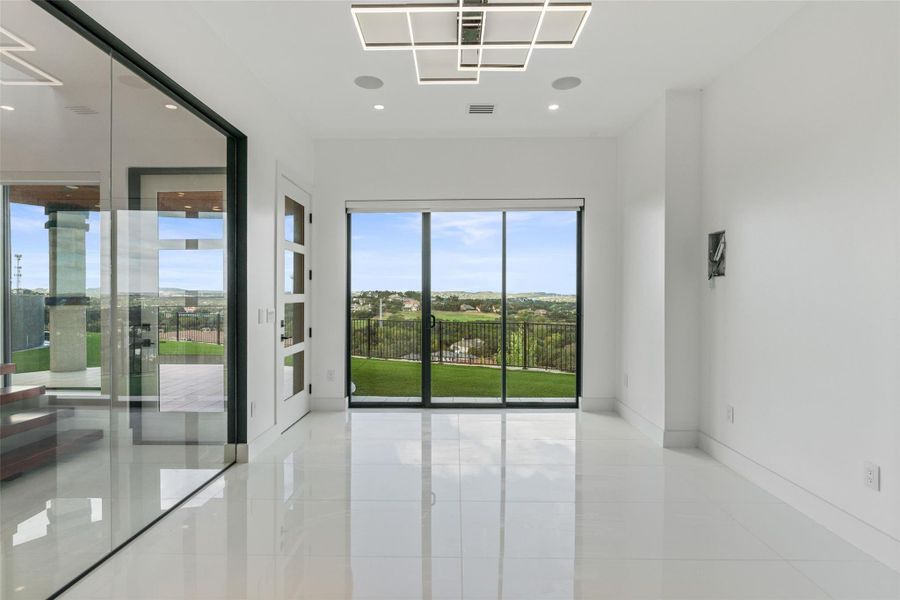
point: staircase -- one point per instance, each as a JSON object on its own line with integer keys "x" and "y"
{"x": 30, "y": 432}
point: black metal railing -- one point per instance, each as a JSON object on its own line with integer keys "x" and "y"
{"x": 204, "y": 327}
{"x": 549, "y": 346}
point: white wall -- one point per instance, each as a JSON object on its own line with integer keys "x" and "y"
{"x": 642, "y": 196}
{"x": 662, "y": 262}
{"x": 801, "y": 166}
{"x": 465, "y": 169}
{"x": 166, "y": 33}
{"x": 685, "y": 266}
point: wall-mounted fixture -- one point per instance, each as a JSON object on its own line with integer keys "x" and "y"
{"x": 715, "y": 266}
{"x": 454, "y": 42}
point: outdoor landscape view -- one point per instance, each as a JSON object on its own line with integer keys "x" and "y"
{"x": 466, "y": 338}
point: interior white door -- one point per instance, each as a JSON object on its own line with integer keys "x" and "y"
{"x": 293, "y": 280}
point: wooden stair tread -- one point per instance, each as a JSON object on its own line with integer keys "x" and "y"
{"x": 7, "y": 368}
{"x": 14, "y": 393}
{"x": 35, "y": 454}
{"x": 25, "y": 420}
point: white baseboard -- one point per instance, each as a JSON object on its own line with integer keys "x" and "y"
{"x": 259, "y": 444}
{"x": 639, "y": 422}
{"x": 867, "y": 538}
{"x": 667, "y": 438}
{"x": 598, "y": 404}
{"x": 328, "y": 404}
{"x": 242, "y": 453}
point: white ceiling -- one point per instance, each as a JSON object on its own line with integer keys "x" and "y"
{"x": 308, "y": 53}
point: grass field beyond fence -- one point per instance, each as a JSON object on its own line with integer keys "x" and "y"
{"x": 376, "y": 377}
{"x": 38, "y": 359}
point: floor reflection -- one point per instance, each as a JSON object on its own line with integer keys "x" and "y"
{"x": 517, "y": 505}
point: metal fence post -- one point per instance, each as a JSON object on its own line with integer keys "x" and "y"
{"x": 219, "y": 328}
{"x": 368, "y": 338}
{"x": 177, "y": 326}
{"x": 440, "y": 325}
{"x": 524, "y": 345}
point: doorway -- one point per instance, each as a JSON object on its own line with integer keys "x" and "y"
{"x": 293, "y": 306}
{"x": 464, "y": 308}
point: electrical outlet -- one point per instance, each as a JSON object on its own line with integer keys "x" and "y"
{"x": 729, "y": 414}
{"x": 329, "y": 375}
{"x": 872, "y": 476}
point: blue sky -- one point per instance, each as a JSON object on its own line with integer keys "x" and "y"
{"x": 466, "y": 251}
{"x": 203, "y": 271}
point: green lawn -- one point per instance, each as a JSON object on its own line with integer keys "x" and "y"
{"x": 375, "y": 377}
{"x": 38, "y": 359}
{"x": 169, "y": 348}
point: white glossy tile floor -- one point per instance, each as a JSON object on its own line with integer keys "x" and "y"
{"x": 540, "y": 504}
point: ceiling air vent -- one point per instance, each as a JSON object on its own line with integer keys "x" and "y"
{"x": 82, "y": 110}
{"x": 481, "y": 109}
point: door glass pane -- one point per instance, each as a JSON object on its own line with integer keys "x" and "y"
{"x": 466, "y": 283}
{"x": 541, "y": 259}
{"x": 294, "y": 331}
{"x": 294, "y": 276}
{"x": 294, "y": 221}
{"x": 386, "y": 319}
{"x": 293, "y": 374}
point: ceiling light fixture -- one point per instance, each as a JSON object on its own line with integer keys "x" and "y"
{"x": 378, "y": 107}
{"x": 72, "y": 187}
{"x": 566, "y": 83}
{"x": 8, "y": 50}
{"x": 188, "y": 206}
{"x": 7, "y": 107}
{"x": 171, "y": 107}
{"x": 473, "y": 46}
{"x": 553, "y": 107}
{"x": 368, "y": 82}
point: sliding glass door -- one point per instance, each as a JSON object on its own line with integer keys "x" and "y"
{"x": 466, "y": 308}
{"x": 493, "y": 295}
{"x": 385, "y": 308}
{"x": 541, "y": 306}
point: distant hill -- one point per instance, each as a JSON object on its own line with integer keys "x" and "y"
{"x": 543, "y": 296}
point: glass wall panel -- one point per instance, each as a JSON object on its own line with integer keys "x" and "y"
{"x": 56, "y": 490}
{"x": 385, "y": 311}
{"x": 541, "y": 318}
{"x": 116, "y": 290}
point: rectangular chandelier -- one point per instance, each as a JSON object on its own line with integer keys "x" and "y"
{"x": 453, "y": 43}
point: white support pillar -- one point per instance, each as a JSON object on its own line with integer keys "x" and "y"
{"x": 67, "y": 300}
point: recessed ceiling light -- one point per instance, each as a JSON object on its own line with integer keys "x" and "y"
{"x": 171, "y": 107}
{"x": 188, "y": 206}
{"x": 180, "y": 194}
{"x": 378, "y": 107}
{"x": 72, "y": 187}
{"x": 553, "y": 107}
{"x": 7, "y": 107}
{"x": 368, "y": 82}
{"x": 566, "y": 83}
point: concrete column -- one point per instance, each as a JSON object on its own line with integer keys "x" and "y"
{"x": 67, "y": 301}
